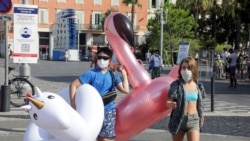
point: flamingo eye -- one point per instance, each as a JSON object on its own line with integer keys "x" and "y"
{"x": 51, "y": 97}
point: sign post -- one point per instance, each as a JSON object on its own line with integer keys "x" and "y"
{"x": 5, "y": 89}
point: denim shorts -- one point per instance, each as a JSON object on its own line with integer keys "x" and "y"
{"x": 232, "y": 70}
{"x": 108, "y": 127}
{"x": 190, "y": 122}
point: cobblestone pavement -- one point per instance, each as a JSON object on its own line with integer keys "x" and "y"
{"x": 231, "y": 114}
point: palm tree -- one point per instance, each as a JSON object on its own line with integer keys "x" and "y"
{"x": 105, "y": 15}
{"x": 232, "y": 7}
{"x": 197, "y": 7}
{"x": 133, "y": 3}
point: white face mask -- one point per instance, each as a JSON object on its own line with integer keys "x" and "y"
{"x": 102, "y": 63}
{"x": 186, "y": 75}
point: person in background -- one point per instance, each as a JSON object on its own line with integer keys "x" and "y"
{"x": 240, "y": 65}
{"x": 101, "y": 78}
{"x": 137, "y": 53}
{"x": 225, "y": 54}
{"x": 248, "y": 67}
{"x": 66, "y": 55}
{"x": 148, "y": 54}
{"x": 155, "y": 59}
{"x": 10, "y": 51}
{"x": 186, "y": 101}
{"x": 219, "y": 66}
{"x": 196, "y": 57}
{"x": 232, "y": 60}
{"x": 94, "y": 59}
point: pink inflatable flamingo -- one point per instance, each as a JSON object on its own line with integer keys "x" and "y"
{"x": 145, "y": 105}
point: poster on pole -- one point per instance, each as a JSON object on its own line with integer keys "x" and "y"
{"x": 26, "y": 45}
{"x": 183, "y": 51}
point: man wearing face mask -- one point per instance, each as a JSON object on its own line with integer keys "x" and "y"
{"x": 185, "y": 100}
{"x": 102, "y": 79}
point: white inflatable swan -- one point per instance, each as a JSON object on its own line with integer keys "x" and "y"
{"x": 53, "y": 119}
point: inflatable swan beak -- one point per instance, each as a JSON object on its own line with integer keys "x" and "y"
{"x": 39, "y": 104}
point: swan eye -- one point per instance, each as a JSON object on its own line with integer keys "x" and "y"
{"x": 51, "y": 97}
{"x": 35, "y": 116}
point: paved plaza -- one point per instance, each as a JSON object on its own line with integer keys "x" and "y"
{"x": 228, "y": 122}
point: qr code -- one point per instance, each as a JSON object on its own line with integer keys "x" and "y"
{"x": 25, "y": 48}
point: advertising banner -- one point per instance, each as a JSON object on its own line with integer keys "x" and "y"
{"x": 26, "y": 43}
{"x": 183, "y": 51}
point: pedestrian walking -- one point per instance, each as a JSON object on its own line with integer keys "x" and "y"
{"x": 105, "y": 81}
{"x": 155, "y": 61}
{"x": 185, "y": 100}
{"x": 218, "y": 66}
{"x": 225, "y": 54}
{"x": 148, "y": 54}
{"x": 10, "y": 51}
{"x": 66, "y": 55}
{"x": 232, "y": 59}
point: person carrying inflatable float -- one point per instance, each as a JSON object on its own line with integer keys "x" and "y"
{"x": 104, "y": 81}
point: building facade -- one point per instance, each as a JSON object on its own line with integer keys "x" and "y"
{"x": 89, "y": 14}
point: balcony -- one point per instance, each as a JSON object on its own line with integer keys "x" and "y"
{"x": 90, "y": 27}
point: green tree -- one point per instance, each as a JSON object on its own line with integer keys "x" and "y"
{"x": 196, "y": 7}
{"x": 233, "y": 7}
{"x": 178, "y": 27}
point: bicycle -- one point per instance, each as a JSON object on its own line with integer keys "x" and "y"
{"x": 19, "y": 87}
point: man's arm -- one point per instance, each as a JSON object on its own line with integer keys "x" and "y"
{"x": 72, "y": 91}
{"x": 123, "y": 86}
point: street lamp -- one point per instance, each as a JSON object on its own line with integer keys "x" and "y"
{"x": 162, "y": 22}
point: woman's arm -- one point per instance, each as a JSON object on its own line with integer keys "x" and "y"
{"x": 172, "y": 95}
{"x": 72, "y": 91}
{"x": 171, "y": 103}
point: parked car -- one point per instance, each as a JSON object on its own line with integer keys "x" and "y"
{"x": 86, "y": 58}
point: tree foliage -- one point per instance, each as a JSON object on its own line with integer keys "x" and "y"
{"x": 178, "y": 27}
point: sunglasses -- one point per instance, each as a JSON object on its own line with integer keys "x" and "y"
{"x": 103, "y": 57}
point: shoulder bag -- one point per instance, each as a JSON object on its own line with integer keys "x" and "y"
{"x": 110, "y": 96}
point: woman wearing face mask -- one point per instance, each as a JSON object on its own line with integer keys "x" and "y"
{"x": 185, "y": 100}
{"x": 102, "y": 79}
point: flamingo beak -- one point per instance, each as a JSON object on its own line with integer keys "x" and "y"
{"x": 39, "y": 104}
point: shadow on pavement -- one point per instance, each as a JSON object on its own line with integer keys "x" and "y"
{"x": 65, "y": 79}
{"x": 224, "y": 125}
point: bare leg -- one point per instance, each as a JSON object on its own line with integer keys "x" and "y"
{"x": 103, "y": 139}
{"x": 193, "y": 135}
{"x": 178, "y": 137}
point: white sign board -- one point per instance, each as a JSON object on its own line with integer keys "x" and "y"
{"x": 183, "y": 52}
{"x": 6, "y": 17}
{"x": 25, "y": 34}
